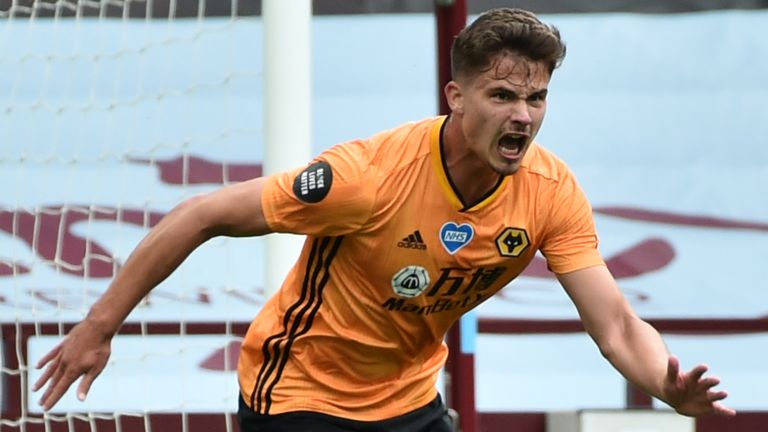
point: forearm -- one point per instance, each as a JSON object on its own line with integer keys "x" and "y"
{"x": 154, "y": 259}
{"x": 633, "y": 347}
{"x": 638, "y": 352}
{"x": 231, "y": 211}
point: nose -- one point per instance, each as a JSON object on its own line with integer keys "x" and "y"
{"x": 519, "y": 112}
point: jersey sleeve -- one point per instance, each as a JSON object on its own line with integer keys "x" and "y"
{"x": 571, "y": 241}
{"x": 332, "y": 196}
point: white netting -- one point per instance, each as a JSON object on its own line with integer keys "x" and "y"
{"x": 110, "y": 114}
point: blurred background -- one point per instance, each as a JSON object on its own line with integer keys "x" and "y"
{"x": 112, "y": 112}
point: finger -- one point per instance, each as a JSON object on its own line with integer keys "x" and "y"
{"x": 56, "y": 390}
{"x": 85, "y": 383}
{"x": 46, "y": 358}
{"x": 56, "y": 376}
{"x": 673, "y": 368}
{"x": 714, "y": 396}
{"x": 709, "y": 382}
{"x": 45, "y": 376}
{"x": 723, "y": 410}
{"x": 697, "y": 372}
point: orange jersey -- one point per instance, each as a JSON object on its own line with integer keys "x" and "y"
{"x": 391, "y": 260}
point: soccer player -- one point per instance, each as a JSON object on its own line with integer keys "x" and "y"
{"x": 406, "y": 231}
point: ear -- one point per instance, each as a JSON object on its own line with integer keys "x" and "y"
{"x": 454, "y": 97}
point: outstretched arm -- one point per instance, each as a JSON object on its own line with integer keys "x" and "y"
{"x": 636, "y": 349}
{"x": 232, "y": 211}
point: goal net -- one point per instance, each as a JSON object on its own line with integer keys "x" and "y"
{"x": 112, "y": 112}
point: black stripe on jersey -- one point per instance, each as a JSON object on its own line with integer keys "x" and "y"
{"x": 318, "y": 283}
{"x": 268, "y": 365}
{"x": 276, "y": 348}
{"x": 272, "y": 343}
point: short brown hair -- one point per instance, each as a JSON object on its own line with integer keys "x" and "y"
{"x": 505, "y": 30}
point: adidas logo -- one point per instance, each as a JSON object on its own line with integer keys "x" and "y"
{"x": 413, "y": 241}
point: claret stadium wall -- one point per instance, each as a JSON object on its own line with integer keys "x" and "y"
{"x": 113, "y": 112}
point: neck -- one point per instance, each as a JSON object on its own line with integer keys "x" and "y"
{"x": 472, "y": 178}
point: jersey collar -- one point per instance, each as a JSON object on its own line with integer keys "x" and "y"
{"x": 449, "y": 190}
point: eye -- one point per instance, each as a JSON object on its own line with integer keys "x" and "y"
{"x": 538, "y": 98}
{"x": 502, "y": 96}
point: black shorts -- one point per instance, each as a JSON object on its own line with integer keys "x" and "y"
{"x": 433, "y": 417}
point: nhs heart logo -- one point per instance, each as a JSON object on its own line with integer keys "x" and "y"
{"x": 454, "y": 237}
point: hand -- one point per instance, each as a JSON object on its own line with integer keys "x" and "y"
{"x": 691, "y": 394}
{"x": 84, "y": 352}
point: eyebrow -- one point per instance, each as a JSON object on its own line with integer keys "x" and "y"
{"x": 539, "y": 92}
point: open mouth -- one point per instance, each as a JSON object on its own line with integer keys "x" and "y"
{"x": 512, "y": 145}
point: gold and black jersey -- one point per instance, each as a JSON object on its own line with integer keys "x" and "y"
{"x": 392, "y": 258}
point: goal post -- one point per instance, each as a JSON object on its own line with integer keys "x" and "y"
{"x": 287, "y": 112}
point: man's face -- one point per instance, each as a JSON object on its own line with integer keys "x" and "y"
{"x": 501, "y": 110}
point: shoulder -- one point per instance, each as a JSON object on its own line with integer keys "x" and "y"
{"x": 415, "y": 130}
{"x": 394, "y": 149}
{"x": 544, "y": 165}
{"x": 341, "y": 187}
{"x": 383, "y": 153}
